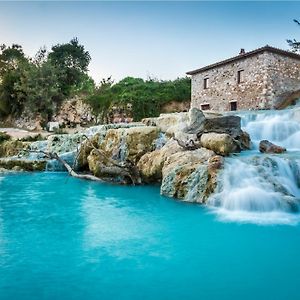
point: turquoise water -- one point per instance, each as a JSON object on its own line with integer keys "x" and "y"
{"x": 63, "y": 238}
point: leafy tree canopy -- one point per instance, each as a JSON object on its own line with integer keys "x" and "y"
{"x": 72, "y": 59}
{"x": 42, "y": 82}
{"x": 10, "y": 57}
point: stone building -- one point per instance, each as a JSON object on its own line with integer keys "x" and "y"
{"x": 264, "y": 78}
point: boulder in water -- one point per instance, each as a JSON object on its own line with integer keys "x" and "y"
{"x": 266, "y": 146}
{"x": 150, "y": 165}
{"x": 202, "y": 123}
{"x": 129, "y": 143}
{"x": 220, "y": 143}
{"x": 186, "y": 175}
{"x": 222, "y": 134}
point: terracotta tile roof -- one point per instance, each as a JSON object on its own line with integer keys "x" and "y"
{"x": 266, "y": 48}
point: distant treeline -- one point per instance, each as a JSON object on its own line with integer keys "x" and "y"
{"x": 39, "y": 85}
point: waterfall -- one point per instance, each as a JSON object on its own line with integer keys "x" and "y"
{"x": 55, "y": 165}
{"x": 280, "y": 127}
{"x": 262, "y": 188}
{"x": 160, "y": 141}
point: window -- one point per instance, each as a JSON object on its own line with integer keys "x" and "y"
{"x": 205, "y": 83}
{"x": 233, "y": 105}
{"x": 205, "y": 106}
{"x": 240, "y": 76}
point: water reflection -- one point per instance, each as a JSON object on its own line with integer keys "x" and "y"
{"x": 116, "y": 228}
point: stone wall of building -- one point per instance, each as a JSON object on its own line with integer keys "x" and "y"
{"x": 265, "y": 79}
{"x": 283, "y": 78}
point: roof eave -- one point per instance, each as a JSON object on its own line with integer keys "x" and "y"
{"x": 242, "y": 56}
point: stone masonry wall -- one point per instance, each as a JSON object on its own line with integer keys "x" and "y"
{"x": 265, "y": 78}
{"x": 283, "y": 78}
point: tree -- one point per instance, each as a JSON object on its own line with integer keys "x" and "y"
{"x": 10, "y": 58}
{"x": 86, "y": 86}
{"x": 72, "y": 59}
{"x": 142, "y": 98}
{"x": 39, "y": 86}
{"x": 293, "y": 43}
{"x": 102, "y": 99}
{"x": 12, "y": 64}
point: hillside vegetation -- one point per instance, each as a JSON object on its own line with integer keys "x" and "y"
{"x": 38, "y": 85}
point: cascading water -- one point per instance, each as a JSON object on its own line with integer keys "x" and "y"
{"x": 263, "y": 188}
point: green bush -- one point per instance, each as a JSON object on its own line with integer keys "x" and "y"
{"x": 146, "y": 97}
{"x": 32, "y": 138}
{"x": 4, "y": 137}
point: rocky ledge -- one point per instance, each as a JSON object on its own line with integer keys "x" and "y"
{"x": 181, "y": 151}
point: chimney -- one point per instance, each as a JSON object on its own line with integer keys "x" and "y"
{"x": 242, "y": 51}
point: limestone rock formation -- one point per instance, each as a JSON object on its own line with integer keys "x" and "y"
{"x": 150, "y": 165}
{"x": 129, "y": 143}
{"x": 186, "y": 175}
{"x": 173, "y": 123}
{"x": 23, "y": 164}
{"x": 12, "y": 147}
{"x": 225, "y": 124}
{"x": 220, "y": 143}
{"x": 267, "y": 147}
{"x": 74, "y": 112}
{"x": 197, "y": 118}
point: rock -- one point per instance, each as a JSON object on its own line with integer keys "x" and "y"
{"x": 29, "y": 120}
{"x": 225, "y": 124}
{"x": 17, "y": 168}
{"x": 243, "y": 141}
{"x": 215, "y": 164}
{"x": 172, "y": 123}
{"x": 52, "y": 126}
{"x": 176, "y": 106}
{"x": 74, "y": 112}
{"x": 268, "y": 147}
{"x": 150, "y": 165}
{"x": 201, "y": 122}
{"x": 23, "y": 164}
{"x": 220, "y": 143}
{"x": 85, "y": 150}
{"x": 149, "y": 121}
{"x": 62, "y": 143}
{"x": 186, "y": 175}
{"x": 96, "y": 163}
{"x": 196, "y": 117}
{"x": 97, "y": 136}
{"x": 12, "y": 147}
{"x": 222, "y": 134}
{"x": 129, "y": 143}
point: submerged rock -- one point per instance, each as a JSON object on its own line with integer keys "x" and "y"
{"x": 267, "y": 147}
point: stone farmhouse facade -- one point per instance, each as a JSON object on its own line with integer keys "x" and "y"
{"x": 265, "y": 78}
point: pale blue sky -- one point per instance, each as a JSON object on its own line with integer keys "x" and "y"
{"x": 160, "y": 39}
